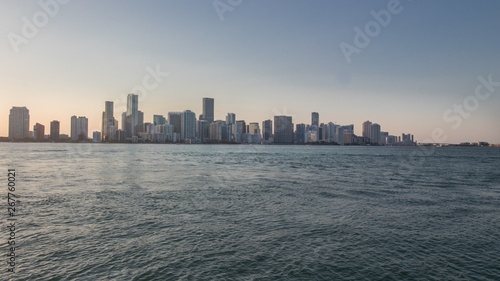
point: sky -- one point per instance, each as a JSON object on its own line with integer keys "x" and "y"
{"x": 418, "y": 72}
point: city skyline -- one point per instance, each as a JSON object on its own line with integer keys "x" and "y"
{"x": 184, "y": 127}
{"x": 371, "y": 133}
{"x": 260, "y": 60}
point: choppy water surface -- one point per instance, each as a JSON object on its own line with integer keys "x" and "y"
{"x": 189, "y": 212}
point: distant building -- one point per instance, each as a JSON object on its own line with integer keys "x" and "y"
{"x": 323, "y": 132}
{"x": 332, "y": 128}
{"x": 79, "y": 128}
{"x": 19, "y": 122}
{"x": 283, "y": 130}
{"x": 202, "y": 131}
{"x": 315, "y": 119}
{"x": 109, "y": 123}
{"x": 375, "y": 134}
{"x": 132, "y": 119}
{"x": 367, "y": 125}
{"x": 300, "y": 133}
{"x": 39, "y": 132}
{"x": 54, "y": 130}
{"x": 64, "y": 137}
{"x": 253, "y": 128}
{"x": 231, "y": 118}
{"x": 119, "y": 136}
{"x": 159, "y": 120}
{"x": 188, "y": 125}
{"x": 208, "y": 110}
{"x": 407, "y": 139}
{"x": 339, "y": 135}
{"x": 267, "y": 130}
{"x": 383, "y": 138}
{"x": 96, "y": 136}
{"x": 391, "y": 140}
{"x": 174, "y": 119}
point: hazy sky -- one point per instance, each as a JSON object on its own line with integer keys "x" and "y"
{"x": 258, "y": 59}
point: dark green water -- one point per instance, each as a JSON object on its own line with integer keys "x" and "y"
{"x": 190, "y": 212}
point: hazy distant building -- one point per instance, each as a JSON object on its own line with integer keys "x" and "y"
{"x": 39, "y": 132}
{"x": 367, "y": 129}
{"x": 283, "y": 130}
{"x": 96, "y": 136}
{"x": 391, "y": 140}
{"x": 159, "y": 120}
{"x": 383, "y": 137}
{"x": 19, "y": 122}
{"x": 108, "y": 122}
{"x": 188, "y": 125}
{"x": 239, "y": 130}
{"x": 202, "y": 131}
{"x": 174, "y": 119}
{"x": 407, "y": 139}
{"x": 332, "y": 128}
{"x": 253, "y": 128}
{"x": 208, "y": 110}
{"x": 54, "y": 130}
{"x": 315, "y": 119}
{"x": 267, "y": 129}
{"x": 79, "y": 128}
{"x": 231, "y": 118}
{"x": 339, "y": 135}
{"x": 300, "y": 133}
{"x": 375, "y": 134}
{"x": 132, "y": 119}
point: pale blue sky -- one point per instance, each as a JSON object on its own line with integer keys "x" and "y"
{"x": 264, "y": 58}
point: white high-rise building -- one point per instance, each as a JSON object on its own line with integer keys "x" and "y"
{"x": 19, "y": 122}
{"x": 79, "y": 128}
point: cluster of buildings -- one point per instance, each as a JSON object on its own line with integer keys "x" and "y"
{"x": 184, "y": 127}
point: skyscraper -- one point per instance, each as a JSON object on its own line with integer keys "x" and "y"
{"x": 315, "y": 119}
{"x": 188, "y": 125}
{"x": 39, "y": 132}
{"x": 231, "y": 118}
{"x": 300, "y": 133}
{"x": 202, "y": 130}
{"x": 19, "y": 122}
{"x": 375, "y": 133}
{"x": 54, "y": 130}
{"x": 79, "y": 128}
{"x": 174, "y": 119}
{"x": 131, "y": 118}
{"x": 283, "y": 130}
{"x": 208, "y": 110}
{"x": 108, "y": 122}
{"x": 267, "y": 129}
{"x": 367, "y": 129}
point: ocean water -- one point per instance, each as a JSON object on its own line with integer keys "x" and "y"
{"x": 237, "y": 212}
